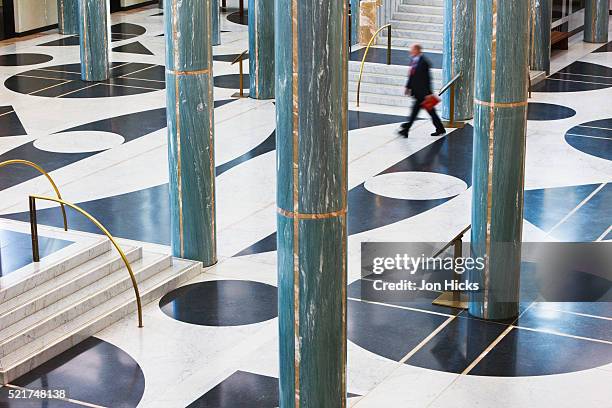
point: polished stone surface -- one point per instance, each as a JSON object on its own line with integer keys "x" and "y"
{"x": 596, "y": 21}
{"x": 16, "y": 249}
{"x": 68, "y": 16}
{"x": 594, "y": 138}
{"x": 14, "y": 60}
{"x": 459, "y": 38}
{"x": 539, "y": 35}
{"x": 221, "y": 303}
{"x": 548, "y": 111}
{"x": 261, "y": 49}
{"x": 93, "y": 40}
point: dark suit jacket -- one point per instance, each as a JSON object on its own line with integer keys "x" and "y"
{"x": 420, "y": 82}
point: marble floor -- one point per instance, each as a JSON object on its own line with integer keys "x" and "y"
{"x": 213, "y": 342}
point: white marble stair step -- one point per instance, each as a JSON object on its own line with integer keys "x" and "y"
{"x": 394, "y": 71}
{"x": 376, "y": 99}
{"x": 53, "y": 290}
{"x": 51, "y": 344}
{"x": 70, "y": 307}
{"x": 422, "y": 17}
{"x": 427, "y": 45}
{"x": 417, "y": 35}
{"x": 15, "y": 284}
{"x": 418, "y": 26}
{"x": 437, "y": 3}
{"x": 421, "y": 9}
{"x": 378, "y": 89}
{"x": 392, "y": 80}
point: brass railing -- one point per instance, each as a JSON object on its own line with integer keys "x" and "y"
{"x": 44, "y": 173}
{"x": 239, "y": 59}
{"x": 453, "y": 298}
{"x": 451, "y": 85}
{"x": 35, "y": 248}
{"x": 365, "y": 54}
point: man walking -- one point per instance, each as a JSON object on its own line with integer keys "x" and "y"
{"x": 419, "y": 86}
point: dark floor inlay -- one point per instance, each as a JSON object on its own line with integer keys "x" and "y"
{"x": 529, "y": 353}
{"x": 222, "y": 303}
{"x": 231, "y": 81}
{"x": 235, "y": 17}
{"x": 243, "y": 389}
{"x": 64, "y": 81}
{"x": 577, "y": 77}
{"x": 548, "y": 111}
{"x": 93, "y": 371}
{"x": 133, "y": 48}
{"x": 13, "y": 60}
{"x": 594, "y": 138}
{"x": 10, "y": 125}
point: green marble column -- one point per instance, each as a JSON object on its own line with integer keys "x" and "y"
{"x": 596, "y": 21}
{"x": 261, "y": 49}
{"x": 216, "y": 26}
{"x": 355, "y": 21}
{"x": 68, "y": 16}
{"x": 189, "y": 95}
{"x": 500, "y": 118}
{"x": 94, "y": 39}
{"x": 458, "y": 57}
{"x": 541, "y": 21}
{"x": 311, "y": 127}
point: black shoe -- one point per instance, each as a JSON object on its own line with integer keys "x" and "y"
{"x": 439, "y": 132}
{"x": 403, "y": 132}
{"x": 405, "y": 125}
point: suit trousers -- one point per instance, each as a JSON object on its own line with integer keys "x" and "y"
{"x": 416, "y": 108}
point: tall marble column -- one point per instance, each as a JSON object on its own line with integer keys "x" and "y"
{"x": 596, "y": 21}
{"x": 261, "y": 49}
{"x": 541, "y": 22}
{"x": 500, "y": 121}
{"x": 189, "y": 90}
{"x": 216, "y": 23}
{"x": 68, "y": 16}
{"x": 311, "y": 127}
{"x": 458, "y": 57}
{"x": 355, "y": 21}
{"x": 94, "y": 39}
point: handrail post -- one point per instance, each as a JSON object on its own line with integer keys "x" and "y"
{"x": 457, "y": 253}
{"x": 452, "y": 104}
{"x": 241, "y": 79}
{"x": 350, "y": 31}
{"x": 34, "y": 231}
{"x": 389, "y": 44}
{"x": 241, "y": 11}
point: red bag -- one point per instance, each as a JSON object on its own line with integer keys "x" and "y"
{"x": 430, "y": 102}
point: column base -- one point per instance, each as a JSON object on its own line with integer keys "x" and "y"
{"x": 455, "y": 124}
{"x": 237, "y": 95}
{"x": 453, "y": 300}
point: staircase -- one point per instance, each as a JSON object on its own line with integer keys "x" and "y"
{"x": 418, "y": 21}
{"x": 62, "y": 304}
{"x": 383, "y": 84}
{"x": 414, "y": 21}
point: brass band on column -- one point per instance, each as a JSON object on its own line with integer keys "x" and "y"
{"x": 68, "y": 16}
{"x": 596, "y": 21}
{"x": 190, "y": 115}
{"x": 94, "y": 39}
{"x": 500, "y": 117}
{"x": 261, "y": 49}
{"x": 458, "y": 57}
{"x": 540, "y": 36}
{"x": 311, "y": 72}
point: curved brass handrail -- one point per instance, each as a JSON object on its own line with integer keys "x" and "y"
{"x": 365, "y": 54}
{"x": 43, "y": 172}
{"x": 105, "y": 231}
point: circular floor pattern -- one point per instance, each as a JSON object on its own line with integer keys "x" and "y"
{"x": 64, "y": 81}
{"x": 231, "y": 81}
{"x": 594, "y": 138}
{"x": 548, "y": 111}
{"x": 15, "y": 60}
{"x": 415, "y": 185}
{"x": 94, "y": 371}
{"x": 235, "y": 17}
{"x": 78, "y": 142}
{"x": 221, "y": 303}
